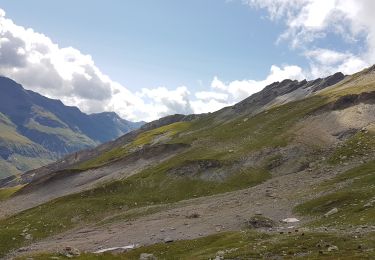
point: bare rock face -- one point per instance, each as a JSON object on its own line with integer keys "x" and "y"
{"x": 320, "y": 84}
{"x": 277, "y": 89}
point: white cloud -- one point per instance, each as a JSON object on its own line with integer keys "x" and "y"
{"x": 39, "y": 64}
{"x": 32, "y": 59}
{"x": 325, "y": 62}
{"x": 224, "y": 94}
{"x": 168, "y": 101}
{"x": 211, "y": 95}
{"x": 308, "y": 20}
{"x": 240, "y": 89}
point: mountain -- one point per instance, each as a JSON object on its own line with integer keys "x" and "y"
{"x": 35, "y": 130}
{"x": 286, "y": 173}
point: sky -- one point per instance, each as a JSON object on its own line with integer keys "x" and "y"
{"x": 146, "y": 59}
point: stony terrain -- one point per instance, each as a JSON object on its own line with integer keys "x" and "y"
{"x": 287, "y": 173}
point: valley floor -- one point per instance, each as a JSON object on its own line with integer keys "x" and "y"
{"x": 274, "y": 199}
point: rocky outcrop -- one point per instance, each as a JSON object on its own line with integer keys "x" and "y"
{"x": 260, "y": 100}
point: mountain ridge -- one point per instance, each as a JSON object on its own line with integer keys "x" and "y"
{"x": 48, "y": 129}
{"x": 287, "y": 173}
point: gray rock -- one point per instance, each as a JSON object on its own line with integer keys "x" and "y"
{"x": 260, "y": 222}
{"x": 145, "y": 256}
{"x": 370, "y": 204}
{"x": 168, "y": 240}
{"x": 70, "y": 252}
{"x": 331, "y": 212}
{"x": 332, "y": 248}
{"x": 28, "y": 237}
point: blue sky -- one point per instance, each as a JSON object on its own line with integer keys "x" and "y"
{"x": 160, "y": 50}
{"x": 148, "y": 43}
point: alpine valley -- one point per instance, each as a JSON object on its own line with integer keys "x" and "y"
{"x": 289, "y": 172}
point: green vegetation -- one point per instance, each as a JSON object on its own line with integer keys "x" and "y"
{"x": 7, "y": 169}
{"x": 354, "y": 199}
{"x": 5, "y": 193}
{"x": 104, "y": 158}
{"x": 167, "y": 131}
{"x": 143, "y": 138}
{"x": 242, "y": 135}
{"x": 66, "y": 134}
{"x": 252, "y": 245}
{"x": 155, "y": 188}
{"x": 9, "y": 134}
{"x": 267, "y": 129}
{"x": 41, "y": 113}
{"x": 24, "y": 163}
{"x": 11, "y": 140}
{"x": 352, "y": 85}
{"x": 355, "y": 147}
{"x": 152, "y": 186}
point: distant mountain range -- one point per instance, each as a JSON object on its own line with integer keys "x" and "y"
{"x": 36, "y": 130}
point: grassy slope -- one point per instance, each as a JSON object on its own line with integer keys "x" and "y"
{"x": 7, "y": 192}
{"x": 41, "y": 113}
{"x": 148, "y": 188}
{"x": 356, "y": 190}
{"x": 8, "y": 133}
{"x": 213, "y": 140}
{"x": 144, "y": 138}
{"x": 7, "y": 169}
{"x": 251, "y": 245}
{"x": 154, "y": 186}
{"x": 11, "y": 139}
{"x": 24, "y": 163}
{"x": 66, "y": 134}
{"x": 357, "y": 146}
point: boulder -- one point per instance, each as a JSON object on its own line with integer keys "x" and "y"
{"x": 332, "y": 248}
{"x": 290, "y": 220}
{"x": 331, "y": 212}
{"x": 70, "y": 252}
{"x": 260, "y": 222}
{"x": 145, "y": 256}
{"x": 168, "y": 240}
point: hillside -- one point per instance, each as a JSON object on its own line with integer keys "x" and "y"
{"x": 286, "y": 173}
{"x": 35, "y": 130}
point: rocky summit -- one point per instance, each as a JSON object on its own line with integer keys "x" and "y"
{"x": 289, "y": 172}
